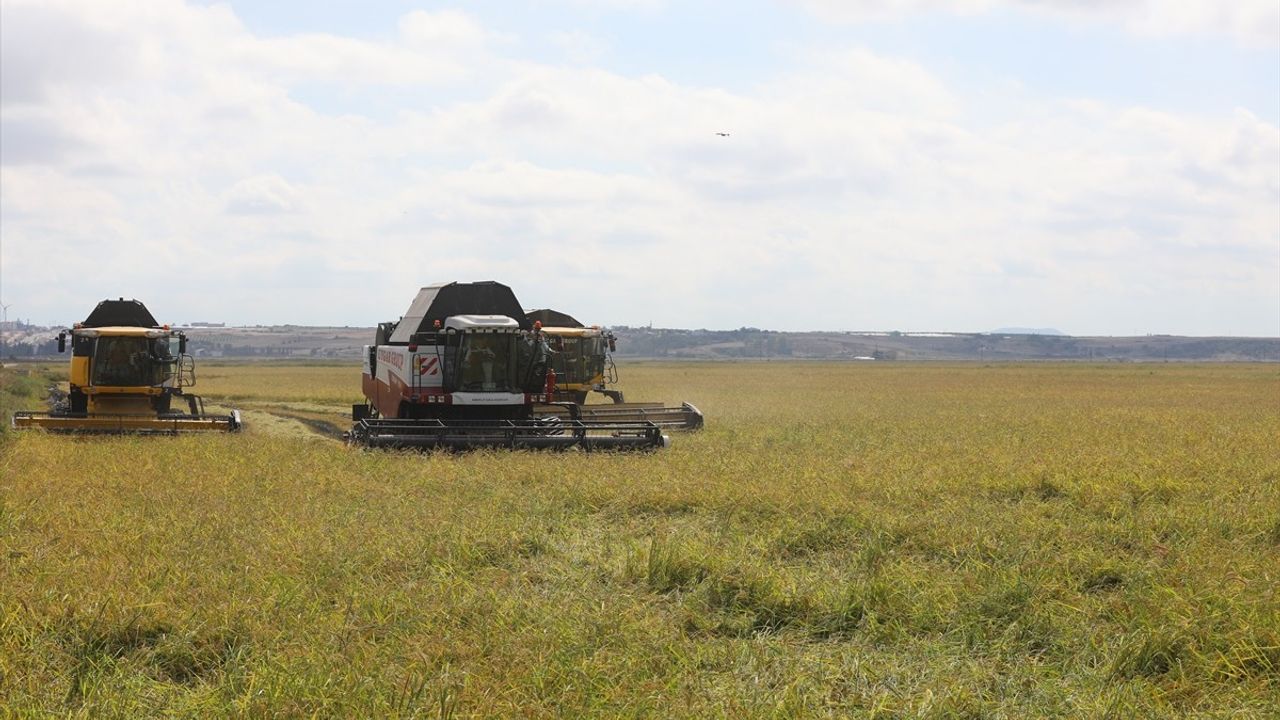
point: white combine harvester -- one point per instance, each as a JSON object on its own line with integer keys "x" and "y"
{"x": 464, "y": 368}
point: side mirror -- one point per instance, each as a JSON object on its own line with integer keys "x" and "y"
{"x": 62, "y": 341}
{"x": 613, "y": 346}
{"x": 182, "y": 344}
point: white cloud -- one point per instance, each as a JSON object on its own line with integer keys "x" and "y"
{"x": 262, "y": 195}
{"x": 449, "y": 29}
{"x": 579, "y": 46}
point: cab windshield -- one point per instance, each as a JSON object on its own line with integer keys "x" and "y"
{"x": 486, "y": 362}
{"x": 578, "y": 359}
{"x": 130, "y": 361}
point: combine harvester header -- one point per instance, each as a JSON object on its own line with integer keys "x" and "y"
{"x": 465, "y": 368}
{"x": 126, "y": 372}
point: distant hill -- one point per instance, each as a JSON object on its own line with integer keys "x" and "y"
{"x": 294, "y": 341}
{"x": 755, "y": 343}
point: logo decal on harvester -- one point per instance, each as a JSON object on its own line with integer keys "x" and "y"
{"x": 430, "y": 367}
{"x": 391, "y": 358}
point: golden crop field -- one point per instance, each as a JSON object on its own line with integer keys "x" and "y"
{"x": 842, "y": 540}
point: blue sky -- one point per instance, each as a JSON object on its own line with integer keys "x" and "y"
{"x": 1109, "y": 168}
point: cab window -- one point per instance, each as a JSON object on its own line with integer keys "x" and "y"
{"x": 125, "y": 362}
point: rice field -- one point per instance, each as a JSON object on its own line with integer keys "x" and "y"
{"x": 843, "y": 540}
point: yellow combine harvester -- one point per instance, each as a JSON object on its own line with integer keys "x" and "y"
{"x": 126, "y": 372}
{"x": 582, "y": 358}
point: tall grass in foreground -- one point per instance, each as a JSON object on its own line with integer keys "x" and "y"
{"x": 866, "y": 541}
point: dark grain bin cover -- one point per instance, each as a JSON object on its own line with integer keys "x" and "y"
{"x": 120, "y": 313}
{"x": 552, "y": 318}
{"x": 437, "y": 302}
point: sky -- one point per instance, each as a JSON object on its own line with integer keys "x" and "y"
{"x": 1102, "y": 168}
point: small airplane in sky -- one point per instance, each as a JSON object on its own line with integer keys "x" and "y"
{"x": 723, "y": 134}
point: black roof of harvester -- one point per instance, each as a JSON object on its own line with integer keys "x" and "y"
{"x": 120, "y": 313}
{"x": 552, "y": 318}
{"x": 437, "y": 302}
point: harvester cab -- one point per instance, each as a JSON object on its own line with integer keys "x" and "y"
{"x": 128, "y": 374}
{"x": 490, "y": 354}
{"x": 465, "y": 368}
